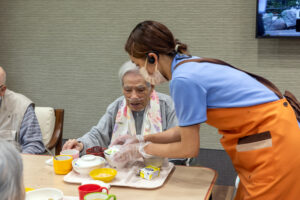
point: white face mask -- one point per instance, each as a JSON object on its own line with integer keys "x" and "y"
{"x": 156, "y": 78}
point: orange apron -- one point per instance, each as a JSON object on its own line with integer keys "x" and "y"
{"x": 263, "y": 142}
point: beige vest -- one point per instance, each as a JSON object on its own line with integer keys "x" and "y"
{"x": 12, "y": 110}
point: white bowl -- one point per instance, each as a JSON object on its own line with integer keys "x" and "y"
{"x": 109, "y": 153}
{"x": 45, "y": 194}
{"x": 87, "y": 163}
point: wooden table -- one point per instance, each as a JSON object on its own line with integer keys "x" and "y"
{"x": 183, "y": 183}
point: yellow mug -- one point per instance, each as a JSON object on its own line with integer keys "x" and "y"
{"x": 63, "y": 164}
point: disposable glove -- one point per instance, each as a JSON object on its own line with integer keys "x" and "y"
{"x": 130, "y": 153}
{"x": 127, "y": 139}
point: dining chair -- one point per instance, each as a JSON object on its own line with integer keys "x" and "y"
{"x": 236, "y": 185}
{"x": 51, "y": 123}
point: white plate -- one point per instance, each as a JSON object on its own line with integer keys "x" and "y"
{"x": 49, "y": 162}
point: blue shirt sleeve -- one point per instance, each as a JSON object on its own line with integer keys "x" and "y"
{"x": 190, "y": 101}
{"x": 30, "y": 133}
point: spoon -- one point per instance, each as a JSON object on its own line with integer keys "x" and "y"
{"x": 51, "y": 153}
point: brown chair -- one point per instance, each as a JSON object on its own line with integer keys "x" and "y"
{"x": 51, "y": 123}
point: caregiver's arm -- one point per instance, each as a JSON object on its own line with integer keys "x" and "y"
{"x": 187, "y": 147}
{"x": 168, "y": 136}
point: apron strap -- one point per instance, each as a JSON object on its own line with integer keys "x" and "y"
{"x": 264, "y": 81}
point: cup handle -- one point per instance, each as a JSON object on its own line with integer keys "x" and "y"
{"x": 105, "y": 190}
{"x": 111, "y": 196}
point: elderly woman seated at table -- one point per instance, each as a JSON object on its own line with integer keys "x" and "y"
{"x": 11, "y": 173}
{"x": 140, "y": 111}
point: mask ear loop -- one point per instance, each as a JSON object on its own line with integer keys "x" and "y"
{"x": 146, "y": 61}
{"x": 156, "y": 66}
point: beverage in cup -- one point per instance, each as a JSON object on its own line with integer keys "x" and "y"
{"x": 90, "y": 188}
{"x": 99, "y": 196}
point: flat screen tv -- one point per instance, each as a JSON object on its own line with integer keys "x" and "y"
{"x": 278, "y": 18}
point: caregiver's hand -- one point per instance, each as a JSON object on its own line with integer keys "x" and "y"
{"x": 130, "y": 152}
{"x": 127, "y": 139}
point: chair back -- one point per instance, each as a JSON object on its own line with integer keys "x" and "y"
{"x": 51, "y": 124}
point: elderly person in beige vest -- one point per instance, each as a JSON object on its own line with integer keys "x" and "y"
{"x": 18, "y": 121}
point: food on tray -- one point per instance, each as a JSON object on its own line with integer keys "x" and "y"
{"x": 96, "y": 151}
{"x": 149, "y": 172}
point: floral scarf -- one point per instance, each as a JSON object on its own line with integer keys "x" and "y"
{"x": 152, "y": 122}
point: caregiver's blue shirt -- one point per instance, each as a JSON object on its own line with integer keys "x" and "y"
{"x": 197, "y": 86}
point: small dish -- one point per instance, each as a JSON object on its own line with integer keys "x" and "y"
{"x": 44, "y": 193}
{"x": 103, "y": 174}
{"x": 87, "y": 163}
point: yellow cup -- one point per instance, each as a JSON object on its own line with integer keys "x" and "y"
{"x": 63, "y": 164}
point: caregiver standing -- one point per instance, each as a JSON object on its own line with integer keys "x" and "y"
{"x": 260, "y": 130}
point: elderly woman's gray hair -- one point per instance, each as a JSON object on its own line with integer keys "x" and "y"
{"x": 129, "y": 67}
{"x": 11, "y": 172}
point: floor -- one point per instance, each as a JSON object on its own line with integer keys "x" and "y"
{"x": 222, "y": 192}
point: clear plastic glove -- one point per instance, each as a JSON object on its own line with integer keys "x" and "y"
{"x": 130, "y": 153}
{"x": 127, "y": 139}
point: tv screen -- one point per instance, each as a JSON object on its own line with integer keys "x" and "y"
{"x": 278, "y": 18}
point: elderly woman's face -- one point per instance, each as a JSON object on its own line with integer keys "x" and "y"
{"x": 136, "y": 91}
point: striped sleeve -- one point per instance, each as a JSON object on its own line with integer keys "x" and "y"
{"x": 30, "y": 133}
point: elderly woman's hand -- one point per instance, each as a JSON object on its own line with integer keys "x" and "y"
{"x": 73, "y": 144}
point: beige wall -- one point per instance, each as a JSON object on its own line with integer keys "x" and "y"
{"x": 66, "y": 53}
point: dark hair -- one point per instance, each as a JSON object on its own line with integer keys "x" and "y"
{"x": 152, "y": 36}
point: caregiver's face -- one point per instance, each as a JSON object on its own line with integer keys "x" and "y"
{"x": 136, "y": 91}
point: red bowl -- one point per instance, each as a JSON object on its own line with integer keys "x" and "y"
{"x": 96, "y": 150}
